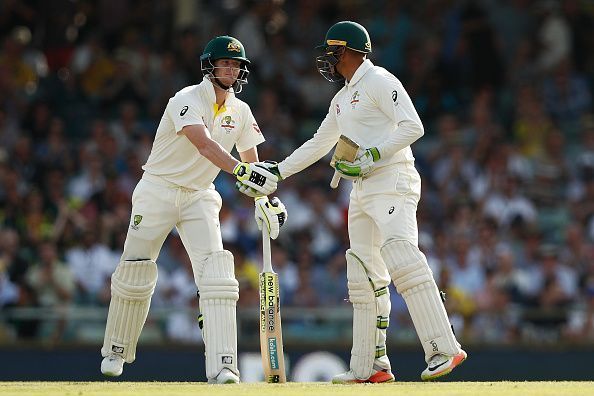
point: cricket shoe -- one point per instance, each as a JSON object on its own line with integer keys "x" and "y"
{"x": 226, "y": 376}
{"x": 377, "y": 377}
{"x": 112, "y": 365}
{"x": 440, "y": 365}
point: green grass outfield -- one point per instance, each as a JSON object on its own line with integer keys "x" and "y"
{"x": 398, "y": 388}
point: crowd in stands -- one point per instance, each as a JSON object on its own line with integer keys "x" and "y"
{"x": 504, "y": 89}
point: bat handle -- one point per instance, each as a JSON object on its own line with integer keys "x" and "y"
{"x": 266, "y": 255}
{"x": 335, "y": 180}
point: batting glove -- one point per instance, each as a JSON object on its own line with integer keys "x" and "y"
{"x": 256, "y": 176}
{"x": 272, "y": 166}
{"x": 249, "y": 191}
{"x": 361, "y": 166}
{"x": 271, "y": 214}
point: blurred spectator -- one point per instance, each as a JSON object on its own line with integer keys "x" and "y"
{"x": 567, "y": 96}
{"x": 554, "y": 36}
{"x": 467, "y": 275}
{"x": 508, "y": 204}
{"x": 53, "y": 283}
{"x": 247, "y": 273}
{"x": 181, "y": 290}
{"x": 288, "y": 274}
{"x": 9, "y": 292}
{"x": 14, "y": 263}
{"x": 92, "y": 264}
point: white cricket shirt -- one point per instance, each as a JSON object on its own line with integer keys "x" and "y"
{"x": 174, "y": 158}
{"x": 374, "y": 110}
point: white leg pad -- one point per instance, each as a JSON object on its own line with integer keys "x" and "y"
{"x": 371, "y": 310}
{"x": 132, "y": 286}
{"x": 219, "y": 292}
{"x": 413, "y": 279}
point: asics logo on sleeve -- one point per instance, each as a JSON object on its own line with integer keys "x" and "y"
{"x": 183, "y": 111}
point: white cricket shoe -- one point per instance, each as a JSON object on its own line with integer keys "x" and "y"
{"x": 226, "y": 376}
{"x": 440, "y": 365}
{"x": 112, "y": 365}
{"x": 377, "y": 377}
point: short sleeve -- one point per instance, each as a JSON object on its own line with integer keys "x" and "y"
{"x": 250, "y": 135}
{"x": 185, "y": 110}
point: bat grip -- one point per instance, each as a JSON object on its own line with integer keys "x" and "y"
{"x": 335, "y": 180}
{"x": 266, "y": 255}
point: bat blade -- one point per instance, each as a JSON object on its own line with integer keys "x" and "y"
{"x": 271, "y": 337}
{"x": 346, "y": 150}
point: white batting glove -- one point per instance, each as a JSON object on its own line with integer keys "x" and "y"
{"x": 270, "y": 213}
{"x": 256, "y": 176}
{"x": 272, "y": 167}
{"x": 249, "y": 191}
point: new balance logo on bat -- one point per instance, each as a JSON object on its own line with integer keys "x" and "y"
{"x": 227, "y": 359}
{"x": 271, "y": 299}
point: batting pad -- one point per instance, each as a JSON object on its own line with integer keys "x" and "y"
{"x": 413, "y": 279}
{"x": 132, "y": 285}
{"x": 219, "y": 292}
{"x": 369, "y": 331}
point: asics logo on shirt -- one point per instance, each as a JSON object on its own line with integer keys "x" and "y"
{"x": 183, "y": 111}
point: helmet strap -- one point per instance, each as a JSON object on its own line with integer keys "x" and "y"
{"x": 220, "y": 84}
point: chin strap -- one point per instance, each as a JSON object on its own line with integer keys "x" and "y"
{"x": 237, "y": 88}
{"x": 224, "y": 87}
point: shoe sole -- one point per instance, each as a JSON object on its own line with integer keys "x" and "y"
{"x": 458, "y": 360}
{"x": 109, "y": 374}
{"x": 380, "y": 380}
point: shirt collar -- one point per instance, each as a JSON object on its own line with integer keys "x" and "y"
{"x": 209, "y": 90}
{"x": 360, "y": 72}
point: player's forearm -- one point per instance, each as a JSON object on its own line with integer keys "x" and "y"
{"x": 309, "y": 152}
{"x": 199, "y": 136}
{"x": 216, "y": 154}
{"x": 406, "y": 134}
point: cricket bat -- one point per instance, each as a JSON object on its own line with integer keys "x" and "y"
{"x": 271, "y": 336}
{"x": 346, "y": 150}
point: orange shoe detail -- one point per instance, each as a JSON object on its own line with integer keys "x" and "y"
{"x": 443, "y": 366}
{"x": 378, "y": 377}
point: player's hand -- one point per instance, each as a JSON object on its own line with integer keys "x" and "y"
{"x": 272, "y": 166}
{"x": 361, "y": 166}
{"x": 256, "y": 176}
{"x": 249, "y": 191}
{"x": 271, "y": 214}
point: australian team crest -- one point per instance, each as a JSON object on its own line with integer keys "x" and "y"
{"x": 136, "y": 221}
{"x": 355, "y": 99}
{"x": 228, "y": 123}
{"x": 233, "y": 46}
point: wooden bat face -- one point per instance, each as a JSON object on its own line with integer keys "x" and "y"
{"x": 271, "y": 340}
{"x": 346, "y": 149}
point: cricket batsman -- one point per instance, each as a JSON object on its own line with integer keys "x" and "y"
{"x": 200, "y": 126}
{"x": 374, "y": 110}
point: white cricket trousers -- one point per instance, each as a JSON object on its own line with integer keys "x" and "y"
{"x": 162, "y": 206}
{"x": 383, "y": 207}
